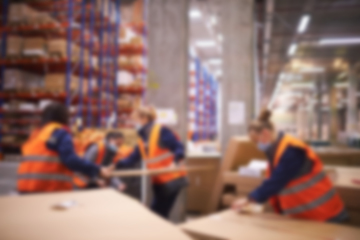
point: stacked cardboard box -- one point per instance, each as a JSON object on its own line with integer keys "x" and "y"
{"x": 14, "y": 46}
{"x": 21, "y": 13}
{"x": 57, "y": 82}
{"x": 58, "y": 48}
{"x": 35, "y": 47}
{"x": 15, "y": 79}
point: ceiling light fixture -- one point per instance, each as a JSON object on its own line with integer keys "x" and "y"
{"x": 195, "y": 14}
{"x": 303, "y": 24}
{"x": 339, "y": 41}
{"x": 215, "y": 61}
{"x": 220, "y": 37}
{"x": 205, "y": 43}
{"x": 213, "y": 20}
{"x": 292, "y": 49}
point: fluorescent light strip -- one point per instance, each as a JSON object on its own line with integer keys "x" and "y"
{"x": 292, "y": 49}
{"x": 339, "y": 41}
{"x": 195, "y": 14}
{"x": 215, "y": 61}
{"x": 205, "y": 43}
{"x": 303, "y": 24}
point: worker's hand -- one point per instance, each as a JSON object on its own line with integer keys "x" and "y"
{"x": 121, "y": 187}
{"x": 101, "y": 183}
{"x": 240, "y": 203}
{"x": 105, "y": 172}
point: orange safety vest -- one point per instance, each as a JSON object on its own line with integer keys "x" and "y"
{"x": 123, "y": 152}
{"x": 41, "y": 169}
{"x": 156, "y": 157}
{"x": 311, "y": 195}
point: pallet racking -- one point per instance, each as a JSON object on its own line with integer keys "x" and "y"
{"x": 93, "y": 27}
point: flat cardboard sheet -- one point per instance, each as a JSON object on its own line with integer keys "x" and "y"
{"x": 98, "y": 215}
{"x": 229, "y": 225}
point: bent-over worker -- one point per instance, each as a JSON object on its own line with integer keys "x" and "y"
{"x": 297, "y": 185}
{"x": 49, "y": 158}
{"x": 159, "y": 148}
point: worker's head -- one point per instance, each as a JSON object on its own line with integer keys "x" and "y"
{"x": 143, "y": 115}
{"x": 56, "y": 113}
{"x": 261, "y": 130}
{"x": 115, "y": 139}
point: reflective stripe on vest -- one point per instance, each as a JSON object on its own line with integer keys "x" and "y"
{"x": 39, "y": 158}
{"x": 316, "y": 203}
{"x": 45, "y": 176}
{"x": 300, "y": 187}
{"x": 159, "y": 158}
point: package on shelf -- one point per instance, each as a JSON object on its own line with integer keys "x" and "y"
{"x": 57, "y": 82}
{"x": 124, "y": 62}
{"x": 124, "y": 101}
{"x": 25, "y": 106}
{"x": 137, "y": 82}
{"x": 15, "y": 79}
{"x": 20, "y": 13}
{"x": 136, "y": 61}
{"x": 124, "y": 78}
{"x": 42, "y": 18}
{"x": 58, "y": 47}
{"x": 34, "y": 47}
{"x": 14, "y": 45}
{"x": 136, "y": 42}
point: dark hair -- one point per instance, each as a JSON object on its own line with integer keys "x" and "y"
{"x": 262, "y": 122}
{"x": 114, "y": 135}
{"x": 55, "y": 112}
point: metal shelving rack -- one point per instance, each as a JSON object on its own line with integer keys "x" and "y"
{"x": 78, "y": 22}
{"x": 203, "y": 99}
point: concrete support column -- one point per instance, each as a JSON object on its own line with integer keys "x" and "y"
{"x": 352, "y": 116}
{"x": 334, "y": 125}
{"x": 168, "y": 67}
{"x": 168, "y": 58}
{"x": 238, "y": 84}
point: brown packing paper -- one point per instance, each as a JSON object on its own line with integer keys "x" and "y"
{"x": 230, "y": 225}
{"x": 34, "y": 47}
{"x": 98, "y": 214}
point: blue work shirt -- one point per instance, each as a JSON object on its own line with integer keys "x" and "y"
{"x": 167, "y": 140}
{"x": 290, "y": 164}
{"x": 61, "y": 143}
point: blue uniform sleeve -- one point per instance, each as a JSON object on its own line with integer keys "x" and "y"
{"x": 289, "y": 166}
{"x": 61, "y": 142}
{"x": 131, "y": 160}
{"x": 169, "y": 141}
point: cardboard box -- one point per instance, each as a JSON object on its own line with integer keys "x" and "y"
{"x": 58, "y": 48}
{"x": 201, "y": 183}
{"x": 20, "y": 13}
{"x": 34, "y": 47}
{"x": 240, "y": 152}
{"x": 97, "y": 214}
{"x": 233, "y": 226}
{"x": 57, "y": 82}
{"x": 14, "y": 46}
{"x": 20, "y": 80}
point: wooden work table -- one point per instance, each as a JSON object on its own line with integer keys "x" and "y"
{"x": 228, "y": 225}
{"x": 98, "y": 214}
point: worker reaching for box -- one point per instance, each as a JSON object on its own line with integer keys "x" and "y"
{"x": 103, "y": 153}
{"x": 49, "y": 158}
{"x": 297, "y": 184}
{"x": 159, "y": 148}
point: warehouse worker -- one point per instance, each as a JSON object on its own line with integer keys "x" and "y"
{"x": 103, "y": 153}
{"x": 297, "y": 185}
{"x": 49, "y": 156}
{"x": 159, "y": 148}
